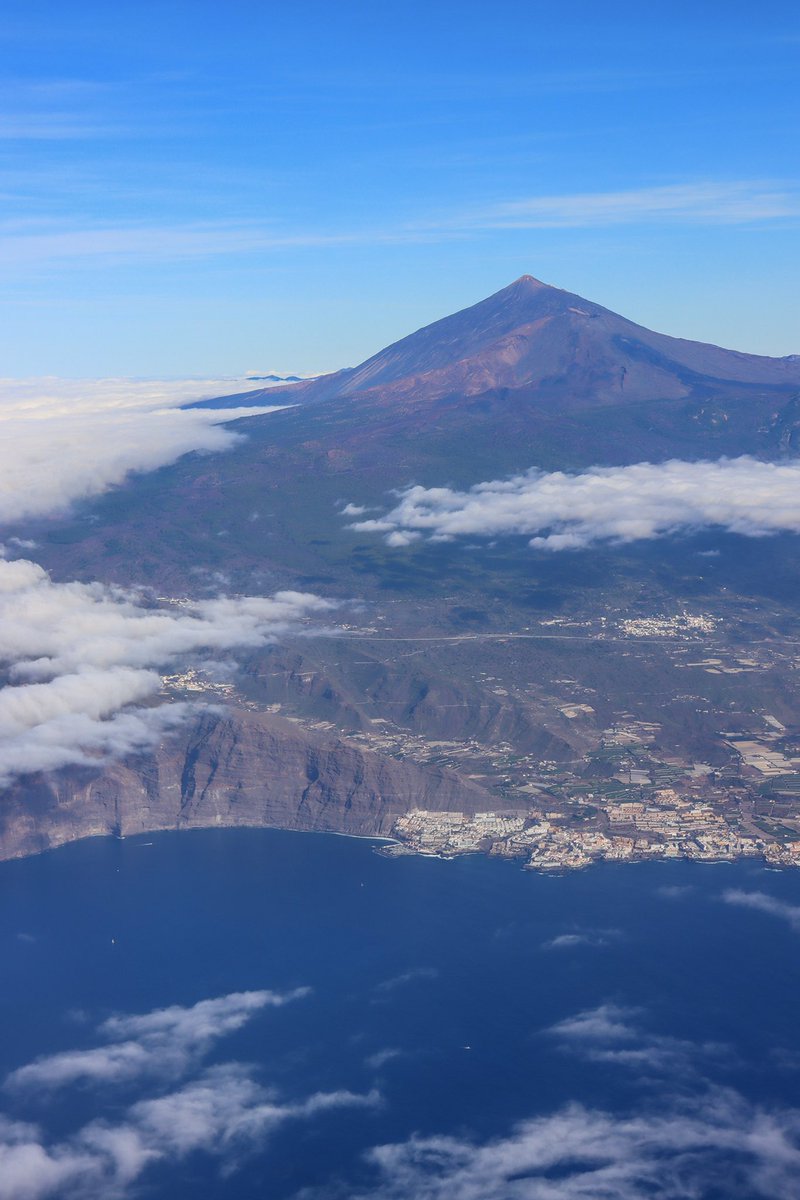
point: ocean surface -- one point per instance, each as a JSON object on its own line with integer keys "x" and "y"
{"x": 412, "y": 1027}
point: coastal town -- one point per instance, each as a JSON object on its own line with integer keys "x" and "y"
{"x": 627, "y": 788}
{"x": 668, "y": 827}
{"x": 646, "y": 810}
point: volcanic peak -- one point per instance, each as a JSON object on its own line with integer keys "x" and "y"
{"x": 528, "y": 283}
{"x": 533, "y": 335}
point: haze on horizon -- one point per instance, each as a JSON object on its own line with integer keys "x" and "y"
{"x": 190, "y": 190}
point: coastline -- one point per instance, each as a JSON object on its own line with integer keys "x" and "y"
{"x": 571, "y": 860}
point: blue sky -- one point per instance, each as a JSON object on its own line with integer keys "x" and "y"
{"x": 193, "y": 188}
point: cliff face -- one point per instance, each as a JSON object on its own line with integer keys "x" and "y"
{"x": 234, "y": 767}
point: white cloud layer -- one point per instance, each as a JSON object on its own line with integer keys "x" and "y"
{"x": 79, "y": 655}
{"x": 222, "y": 1110}
{"x": 63, "y": 440}
{"x": 558, "y": 511}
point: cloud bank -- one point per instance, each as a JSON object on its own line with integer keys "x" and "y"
{"x": 64, "y": 440}
{"x": 222, "y": 1110}
{"x": 558, "y": 511}
{"x": 83, "y": 662}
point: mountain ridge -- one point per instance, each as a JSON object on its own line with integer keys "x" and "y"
{"x": 530, "y": 333}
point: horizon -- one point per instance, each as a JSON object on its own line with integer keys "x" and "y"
{"x": 187, "y": 193}
{"x": 278, "y": 377}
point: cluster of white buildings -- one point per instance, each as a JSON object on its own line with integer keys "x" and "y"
{"x": 678, "y": 625}
{"x": 194, "y": 681}
{"x": 668, "y": 826}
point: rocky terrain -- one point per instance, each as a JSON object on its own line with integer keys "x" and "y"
{"x": 232, "y": 768}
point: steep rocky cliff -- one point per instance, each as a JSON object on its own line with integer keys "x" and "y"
{"x": 233, "y": 767}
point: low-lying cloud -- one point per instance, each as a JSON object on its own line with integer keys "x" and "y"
{"x": 83, "y": 662}
{"x": 762, "y": 902}
{"x": 595, "y": 938}
{"x": 223, "y": 1110}
{"x": 163, "y": 1043}
{"x": 665, "y": 1152}
{"x": 64, "y": 440}
{"x": 613, "y": 1034}
{"x": 683, "y": 1136}
{"x": 560, "y": 511}
{"x": 413, "y": 975}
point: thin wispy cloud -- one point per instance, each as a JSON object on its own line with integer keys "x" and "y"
{"x": 675, "y": 891}
{"x": 558, "y": 511}
{"x": 413, "y": 975}
{"x": 84, "y": 662}
{"x": 111, "y": 244}
{"x": 577, "y": 938}
{"x": 184, "y": 1107}
{"x": 668, "y": 1151}
{"x": 762, "y": 902}
{"x": 615, "y": 1034}
{"x": 54, "y": 109}
{"x": 163, "y": 1043}
{"x": 51, "y": 127}
{"x": 700, "y": 204}
{"x": 381, "y": 1057}
{"x": 606, "y": 1023}
{"x": 683, "y": 1136}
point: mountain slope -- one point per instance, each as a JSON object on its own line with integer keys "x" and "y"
{"x": 532, "y": 376}
{"x": 530, "y": 334}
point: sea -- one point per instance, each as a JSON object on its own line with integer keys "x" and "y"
{"x": 265, "y": 1014}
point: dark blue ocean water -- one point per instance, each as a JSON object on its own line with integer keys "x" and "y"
{"x": 434, "y": 984}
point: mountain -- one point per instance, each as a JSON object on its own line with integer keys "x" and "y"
{"x": 532, "y": 334}
{"x": 532, "y": 376}
{"x": 467, "y": 675}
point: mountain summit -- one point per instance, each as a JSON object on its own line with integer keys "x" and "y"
{"x": 533, "y": 334}
{"x": 532, "y": 376}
